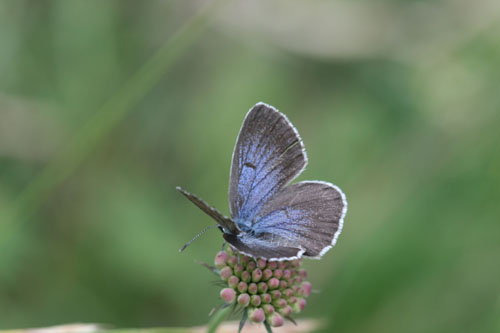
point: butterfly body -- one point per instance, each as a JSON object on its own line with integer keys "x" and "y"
{"x": 271, "y": 219}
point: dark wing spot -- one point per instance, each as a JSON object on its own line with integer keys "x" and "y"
{"x": 250, "y": 165}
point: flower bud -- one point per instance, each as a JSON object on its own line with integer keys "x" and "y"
{"x": 268, "y": 309}
{"x": 267, "y": 274}
{"x": 303, "y": 273}
{"x": 242, "y": 287}
{"x": 238, "y": 268}
{"x": 256, "y": 315}
{"x": 244, "y": 259}
{"x": 273, "y": 283}
{"x": 228, "y": 295}
{"x": 298, "y": 280}
{"x": 256, "y": 275}
{"x": 297, "y": 290}
{"x": 255, "y": 300}
{"x": 251, "y": 266}
{"x": 292, "y": 300}
{"x": 252, "y": 288}
{"x": 279, "y": 303}
{"x": 231, "y": 261}
{"x": 262, "y": 286}
{"x": 220, "y": 259}
{"x": 244, "y": 300}
{"x": 299, "y": 305}
{"x": 275, "y": 294}
{"x": 283, "y": 284}
{"x": 233, "y": 281}
{"x": 225, "y": 273}
{"x": 288, "y": 292}
{"x": 287, "y": 274}
{"x": 278, "y": 273}
{"x": 281, "y": 265}
{"x": 306, "y": 288}
{"x": 276, "y": 320}
{"x": 296, "y": 263}
{"x": 245, "y": 276}
{"x": 261, "y": 263}
{"x": 272, "y": 265}
{"x": 286, "y": 311}
{"x": 265, "y": 298}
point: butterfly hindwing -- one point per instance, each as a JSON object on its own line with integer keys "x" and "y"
{"x": 307, "y": 215}
{"x": 257, "y": 248}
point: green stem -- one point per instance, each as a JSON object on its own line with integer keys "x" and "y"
{"x": 217, "y": 319}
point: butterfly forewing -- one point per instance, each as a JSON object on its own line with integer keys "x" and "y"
{"x": 268, "y": 154}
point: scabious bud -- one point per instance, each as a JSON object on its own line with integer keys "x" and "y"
{"x": 255, "y": 300}
{"x": 275, "y": 294}
{"x": 261, "y": 263}
{"x": 228, "y": 295}
{"x": 252, "y": 288}
{"x": 262, "y": 286}
{"x": 270, "y": 290}
{"x": 306, "y": 288}
{"x": 266, "y": 298}
{"x": 242, "y": 287}
{"x": 256, "y": 275}
{"x": 257, "y": 315}
{"x": 286, "y": 310}
{"x": 272, "y": 265}
{"x": 245, "y": 276}
{"x": 232, "y": 260}
{"x": 220, "y": 259}
{"x": 251, "y": 266}
{"x": 244, "y": 300}
{"x": 233, "y": 281}
{"x": 280, "y": 303}
{"x": 275, "y": 320}
{"x": 273, "y": 283}
{"x": 267, "y": 274}
{"x": 283, "y": 284}
{"x": 238, "y": 268}
{"x": 225, "y": 273}
{"x": 268, "y": 309}
{"x": 299, "y": 305}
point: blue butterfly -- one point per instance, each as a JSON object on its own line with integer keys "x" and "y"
{"x": 271, "y": 219}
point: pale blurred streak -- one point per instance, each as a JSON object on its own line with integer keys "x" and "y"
{"x": 303, "y": 326}
{"x": 68, "y": 328}
{"x": 28, "y": 129}
{"x": 414, "y": 31}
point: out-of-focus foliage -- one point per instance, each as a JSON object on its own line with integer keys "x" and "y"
{"x": 397, "y": 102}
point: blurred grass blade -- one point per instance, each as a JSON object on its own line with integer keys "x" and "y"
{"x": 111, "y": 113}
{"x": 217, "y": 319}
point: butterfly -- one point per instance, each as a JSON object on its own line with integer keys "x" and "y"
{"x": 270, "y": 218}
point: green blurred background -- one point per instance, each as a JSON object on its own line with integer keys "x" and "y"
{"x": 398, "y": 103}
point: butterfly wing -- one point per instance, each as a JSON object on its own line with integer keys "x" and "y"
{"x": 308, "y": 215}
{"x": 221, "y": 219}
{"x": 258, "y": 248}
{"x": 268, "y": 155}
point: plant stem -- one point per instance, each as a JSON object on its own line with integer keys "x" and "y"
{"x": 217, "y": 319}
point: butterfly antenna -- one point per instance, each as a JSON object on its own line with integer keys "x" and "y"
{"x": 196, "y": 237}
